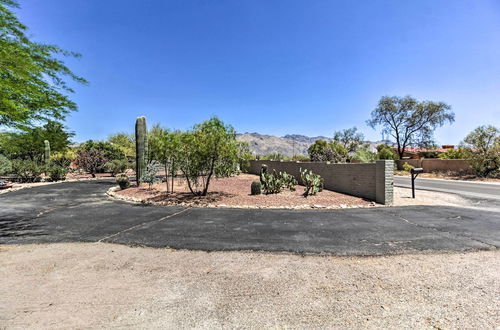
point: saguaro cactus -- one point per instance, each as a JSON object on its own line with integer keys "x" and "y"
{"x": 141, "y": 146}
{"x": 46, "y": 156}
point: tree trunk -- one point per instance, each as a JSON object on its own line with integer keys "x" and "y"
{"x": 166, "y": 176}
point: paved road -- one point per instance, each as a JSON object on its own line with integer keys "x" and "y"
{"x": 80, "y": 212}
{"x": 464, "y": 188}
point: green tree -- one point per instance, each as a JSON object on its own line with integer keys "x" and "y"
{"x": 124, "y": 141}
{"x": 209, "y": 150}
{"x": 482, "y": 150}
{"x": 109, "y": 151}
{"x": 350, "y": 139}
{"x": 319, "y": 151}
{"x": 33, "y": 85}
{"x": 29, "y": 144}
{"x": 385, "y": 152}
{"x": 409, "y": 121}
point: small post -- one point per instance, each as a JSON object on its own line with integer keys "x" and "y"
{"x": 414, "y": 173}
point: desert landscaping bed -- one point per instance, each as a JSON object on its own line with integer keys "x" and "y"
{"x": 235, "y": 192}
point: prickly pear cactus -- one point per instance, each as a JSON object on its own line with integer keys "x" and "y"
{"x": 46, "y": 155}
{"x": 313, "y": 182}
{"x": 141, "y": 146}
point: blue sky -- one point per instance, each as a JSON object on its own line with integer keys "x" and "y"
{"x": 273, "y": 67}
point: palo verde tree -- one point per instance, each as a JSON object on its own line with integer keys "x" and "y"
{"x": 209, "y": 150}
{"x": 33, "y": 85}
{"x": 409, "y": 121}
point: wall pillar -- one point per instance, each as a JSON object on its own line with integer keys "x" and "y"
{"x": 384, "y": 182}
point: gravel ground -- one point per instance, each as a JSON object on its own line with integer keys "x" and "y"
{"x": 104, "y": 286}
{"x": 235, "y": 192}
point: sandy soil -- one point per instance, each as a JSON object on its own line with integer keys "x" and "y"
{"x": 402, "y": 197}
{"x": 104, "y": 286}
{"x": 235, "y": 192}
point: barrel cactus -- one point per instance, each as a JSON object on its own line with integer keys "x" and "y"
{"x": 256, "y": 188}
{"x": 46, "y": 156}
{"x": 123, "y": 180}
{"x": 141, "y": 146}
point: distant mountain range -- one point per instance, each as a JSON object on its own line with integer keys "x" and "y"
{"x": 288, "y": 145}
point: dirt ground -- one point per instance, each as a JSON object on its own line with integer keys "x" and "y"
{"x": 235, "y": 192}
{"x": 98, "y": 285}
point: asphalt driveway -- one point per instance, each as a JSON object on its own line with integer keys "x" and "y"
{"x": 81, "y": 212}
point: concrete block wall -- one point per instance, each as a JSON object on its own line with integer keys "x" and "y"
{"x": 373, "y": 181}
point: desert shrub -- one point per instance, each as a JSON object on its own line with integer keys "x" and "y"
{"x": 106, "y": 149}
{"x": 57, "y": 173}
{"x": 91, "y": 161}
{"x": 150, "y": 173}
{"x": 27, "y": 170}
{"x": 313, "y": 182}
{"x": 453, "y": 154}
{"x": 123, "y": 181}
{"x": 209, "y": 150}
{"x": 63, "y": 158}
{"x": 256, "y": 188}
{"x": 386, "y": 152}
{"x": 5, "y": 165}
{"x": 116, "y": 166}
{"x": 407, "y": 167}
{"x": 365, "y": 156}
{"x": 299, "y": 158}
{"x": 482, "y": 150}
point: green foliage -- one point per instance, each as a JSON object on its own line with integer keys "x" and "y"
{"x": 141, "y": 148}
{"x": 125, "y": 142}
{"x": 385, "y": 152}
{"x": 275, "y": 182}
{"x": 209, "y": 149}
{"x": 5, "y": 165}
{"x": 32, "y": 75}
{"x": 313, "y": 182}
{"x": 56, "y": 173}
{"x": 123, "y": 181}
{"x": 459, "y": 153}
{"x": 30, "y": 144}
{"x": 91, "y": 161}
{"x": 149, "y": 175}
{"x": 322, "y": 151}
{"x": 299, "y": 158}
{"x": 256, "y": 188}
{"x": 407, "y": 167}
{"x": 408, "y": 121}
{"x": 116, "y": 166}
{"x": 350, "y": 140}
{"x": 273, "y": 156}
{"x": 365, "y": 156}
{"x": 27, "y": 170}
{"x": 482, "y": 150}
{"x": 64, "y": 158}
{"x": 107, "y": 150}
